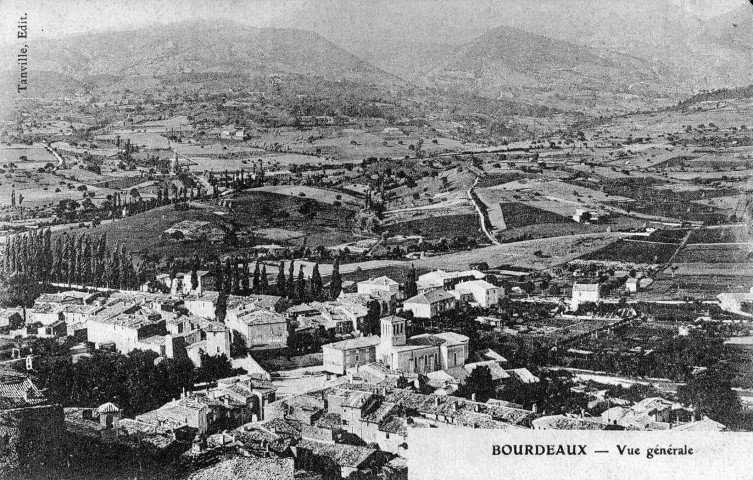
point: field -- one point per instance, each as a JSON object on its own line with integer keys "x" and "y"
{"x": 737, "y": 234}
{"x": 521, "y": 215}
{"x": 535, "y": 254}
{"x": 262, "y": 217}
{"x": 318, "y": 194}
{"x": 630, "y": 251}
{"x": 715, "y": 254}
{"x": 435, "y": 227}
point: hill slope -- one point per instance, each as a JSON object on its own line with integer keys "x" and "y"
{"x": 201, "y": 47}
{"x": 508, "y": 60}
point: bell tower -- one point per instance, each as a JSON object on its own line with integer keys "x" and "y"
{"x": 393, "y": 331}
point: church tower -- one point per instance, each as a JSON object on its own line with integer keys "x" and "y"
{"x": 393, "y": 332}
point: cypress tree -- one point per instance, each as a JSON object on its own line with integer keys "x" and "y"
{"x": 411, "y": 289}
{"x": 256, "y": 279}
{"x": 218, "y": 277}
{"x": 291, "y": 281}
{"x": 281, "y": 280}
{"x": 220, "y": 310}
{"x": 316, "y": 282}
{"x": 335, "y": 283}
{"x": 301, "y": 285}
{"x": 263, "y": 281}
{"x": 245, "y": 280}
{"x": 228, "y": 277}
{"x": 236, "y": 277}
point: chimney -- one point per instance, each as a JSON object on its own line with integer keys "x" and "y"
{"x": 183, "y": 394}
{"x": 473, "y": 397}
{"x": 582, "y": 413}
{"x": 534, "y": 408}
{"x": 436, "y": 401}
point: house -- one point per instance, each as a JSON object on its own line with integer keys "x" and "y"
{"x": 55, "y": 329}
{"x": 335, "y": 458}
{"x": 381, "y": 284}
{"x": 585, "y": 292}
{"x": 340, "y": 356}
{"x": 582, "y": 215}
{"x": 192, "y": 413}
{"x": 430, "y": 304}
{"x": 250, "y": 395}
{"x": 632, "y": 285}
{"x": 484, "y": 293}
{"x": 440, "y": 279}
{"x": 258, "y": 327}
{"x": 739, "y": 303}
{"x": 128, "y": 331}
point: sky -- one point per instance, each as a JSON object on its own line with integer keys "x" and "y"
{"x": 53, "y": 18}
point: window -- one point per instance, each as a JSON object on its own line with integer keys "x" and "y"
{"x": 386, "y": 435}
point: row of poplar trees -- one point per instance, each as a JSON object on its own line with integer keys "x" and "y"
{"x": 70, "y": 259}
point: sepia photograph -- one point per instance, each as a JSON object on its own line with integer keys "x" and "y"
{"x": 376, "y": 239}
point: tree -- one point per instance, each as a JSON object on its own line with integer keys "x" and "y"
{"x": 335, "y": 283}
{"x": 264, "y": 281}
{"x": 220, "y": 309}
{"x": 316, "y": 282}
{"x": 480, "y": 383}
{"x": 711, "y": 394}
{"x": 291, "y": 281}
{"x": 281, "y": 279}
{"x": 371, "y": 322}
{"x": 255, "y": 282}
{"x": 18, "y": 290}
{"x": 411, "y": 288}
{"x": 300, "y": 285}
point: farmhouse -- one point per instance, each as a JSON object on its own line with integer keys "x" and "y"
{"x": 381, "y": 284}
{"x": 585, "y": 292}
{"x": 440, "y": 279}
{"x": 195, "y": 230}
{"x": 484, "y": 293}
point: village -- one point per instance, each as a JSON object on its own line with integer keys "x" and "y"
{"x": 275, "y": 247}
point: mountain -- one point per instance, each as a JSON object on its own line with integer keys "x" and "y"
{"x": 203, "y": 47}
{"x": 509, "y": 62}
{"x": 408, "y": 39}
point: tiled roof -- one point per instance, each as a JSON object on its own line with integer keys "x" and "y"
{"x": 353, "y": 343}
{"x": 257, "y": 468}
{"x": 433, "y": 296}
{"x": 342, "y": 454}
{"x": 561, "y": 422}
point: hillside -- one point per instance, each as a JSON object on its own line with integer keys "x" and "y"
{"x": 206, "y": 47}
{"x": 507, "y": 60}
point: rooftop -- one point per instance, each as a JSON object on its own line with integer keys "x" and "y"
{"x": 353, "y": 343}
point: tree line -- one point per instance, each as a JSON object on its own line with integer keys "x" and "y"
{"x": 134, "y": 382}
{"x": 72, "y": 259}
